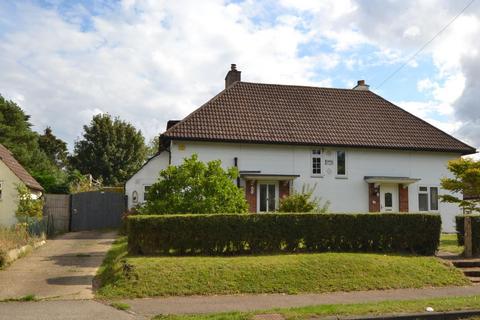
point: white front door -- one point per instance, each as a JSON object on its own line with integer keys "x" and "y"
{"x": 388, "y": 198}
{"x": 267, "y": 196}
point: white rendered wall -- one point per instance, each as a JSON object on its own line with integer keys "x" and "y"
{"x": 146, "y": 176}
{"x": 348, "y": 194}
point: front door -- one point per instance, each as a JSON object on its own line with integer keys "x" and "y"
{"x": 388, "y": 198}
{"x": 267, "y": 197}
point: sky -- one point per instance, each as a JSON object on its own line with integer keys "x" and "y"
{"x": 150, "y": 61}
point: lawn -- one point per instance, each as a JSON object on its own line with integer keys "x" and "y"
{"x": 124, "y": 276}
{"x": 376, "y": 308}
{"x": 448, "y": 243}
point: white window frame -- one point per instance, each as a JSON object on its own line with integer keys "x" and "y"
{"x": 144, "y": 193}
{"x": 341, "y": 176}
{"x": 429, "y": 200}
{"x": 317, "y": 156}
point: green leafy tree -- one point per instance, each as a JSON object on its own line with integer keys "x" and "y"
{"x": 303, "y": 202}
{"x": 195, "y": 187}
{"x": 28, "y": 206}
{"x": 54, "y": 148}
{"x": 152, "y": 147}
{"x": 466, "y": 182}
{"x": 111, "y": 150}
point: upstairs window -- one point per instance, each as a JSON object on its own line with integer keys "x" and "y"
{"x": 341, "y": 163}
{"x": 317, "y": 162}
{"x": 145, "y": 192}
{"x": 427, "y": 198}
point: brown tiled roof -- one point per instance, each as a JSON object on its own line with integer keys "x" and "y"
{"x": 7, "y": 158}
{"x": 284, "y": 114}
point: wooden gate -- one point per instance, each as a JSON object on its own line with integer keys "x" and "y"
{"x": 97, "y": 210}
{"x": 57, "y": 206}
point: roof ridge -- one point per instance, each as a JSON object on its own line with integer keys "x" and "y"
{"x": 301, "y": 86}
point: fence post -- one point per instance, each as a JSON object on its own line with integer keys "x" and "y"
{"x": 467, "y": 237}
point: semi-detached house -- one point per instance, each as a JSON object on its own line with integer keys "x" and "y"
{"x": 361, "y": 152}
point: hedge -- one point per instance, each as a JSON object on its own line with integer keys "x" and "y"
{"x": 459, "y": 221}
{"x": 233, "y": 234}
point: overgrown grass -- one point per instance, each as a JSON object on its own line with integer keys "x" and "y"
{"x": 12, "y": 238}
{"x": 375, "y": 308}
{"x": 132, "y": 276}
{"x": 448, "y": 243}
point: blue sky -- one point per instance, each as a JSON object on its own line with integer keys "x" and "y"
{"x": 150, "y": 61}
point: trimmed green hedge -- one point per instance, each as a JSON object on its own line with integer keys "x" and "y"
{"x": 475, "y": 232}
{"x": 233, "y": 234}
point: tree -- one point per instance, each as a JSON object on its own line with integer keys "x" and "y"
{"x": 152, "y": 147}
{"x": 303, "y": 202}
{"x": 466, "y": 182}
{"x": 111, "y": 150}
{"x": 195, "y": 187}
{"x": 16, "y": 135}
{"x": 28, "y": 206}
{"x": 54, "y": 148}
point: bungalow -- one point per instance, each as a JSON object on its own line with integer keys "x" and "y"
{"x": 362, "y": 152}
{"x": 12, "y": 174}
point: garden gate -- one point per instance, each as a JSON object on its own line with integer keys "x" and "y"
{"x": 96, "y": 210}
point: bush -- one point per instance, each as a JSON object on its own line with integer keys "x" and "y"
{"x": 303, "y": 202}
{"x": 195, "y": 187}
{"x": 232, "y": 234}
{"x": 459, "y": 221}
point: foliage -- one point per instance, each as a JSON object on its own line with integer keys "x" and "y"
{"x": 449, "y": 243}
{"x": 227, "y": 234}
{"x": 16, "y": 135}
{"x": 136, "y": 276}
{"x": 153, "y": 146}
{"x": 54, "y": 148}
{"x": 78, "y": 182}
{"x": 111, "y": 150}
{"x": 28, "y": 207}
{"x": 466, "y": 182}
{"x": 460, "y": 225}
{"x": 303, "y": 202}
{"x": 195, "y": 187}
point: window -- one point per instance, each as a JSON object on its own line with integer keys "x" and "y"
{"x": 267, "y": 197}
{"x": 388, "y": 200}
{"x": 341, "y": 163}
{"x": 145, "y": 192}
{"x": 428, "y": 198}
{"x": 317, "y": 162}
{"x": 1, "y": 189}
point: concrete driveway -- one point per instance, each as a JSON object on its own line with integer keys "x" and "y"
{"x": 61, "y": 269}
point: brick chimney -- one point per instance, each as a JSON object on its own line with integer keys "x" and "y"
{"x": 232, "y": 76}
{"x": 361, "y": 85}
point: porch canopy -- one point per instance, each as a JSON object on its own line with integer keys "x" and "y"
{"x": 389, "y": 179}
{"x": 258, "y": 175}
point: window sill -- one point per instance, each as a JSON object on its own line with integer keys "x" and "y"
{"x": 316, "y": 176}
{"x": 341, "y": 177}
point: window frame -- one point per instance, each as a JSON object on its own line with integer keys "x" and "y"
{"x": 144, "y": 192}
{"x": 345, "y": 175}
{"x": 316, "y": 156}
{"x": 428, "y": 193}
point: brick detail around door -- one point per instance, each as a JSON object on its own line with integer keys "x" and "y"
{"x": 251, "y": 195}
{"x": 373, "y": 198}
{"x": 402, "y": 198}
{"x": 283, "y": 189}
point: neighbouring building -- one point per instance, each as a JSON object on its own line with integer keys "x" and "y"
{"x": 361, "y": 152}
{"x": 12, "y": 174}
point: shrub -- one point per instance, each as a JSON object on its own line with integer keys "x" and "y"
{"x": 28, "y": 206}
{"x": 459, "y": 221}
{"x": 303, "y": 202}
{"x": 195, "y": 187}
{"x": 231, "y": 234}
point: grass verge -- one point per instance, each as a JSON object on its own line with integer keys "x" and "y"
{"x": 123, "y": 276}
{"x": 375, "y": 308}
{"x": 448, "y": 243}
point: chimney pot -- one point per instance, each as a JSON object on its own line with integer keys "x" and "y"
{"x": 233, "y": 76}
{"x": 361, "y": 82}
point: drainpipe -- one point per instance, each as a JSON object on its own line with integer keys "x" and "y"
{"x": 235, "y": 163}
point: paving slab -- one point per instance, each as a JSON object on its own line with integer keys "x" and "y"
{"x": 62, "y": 310}
{"x": 61, "y": 269}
